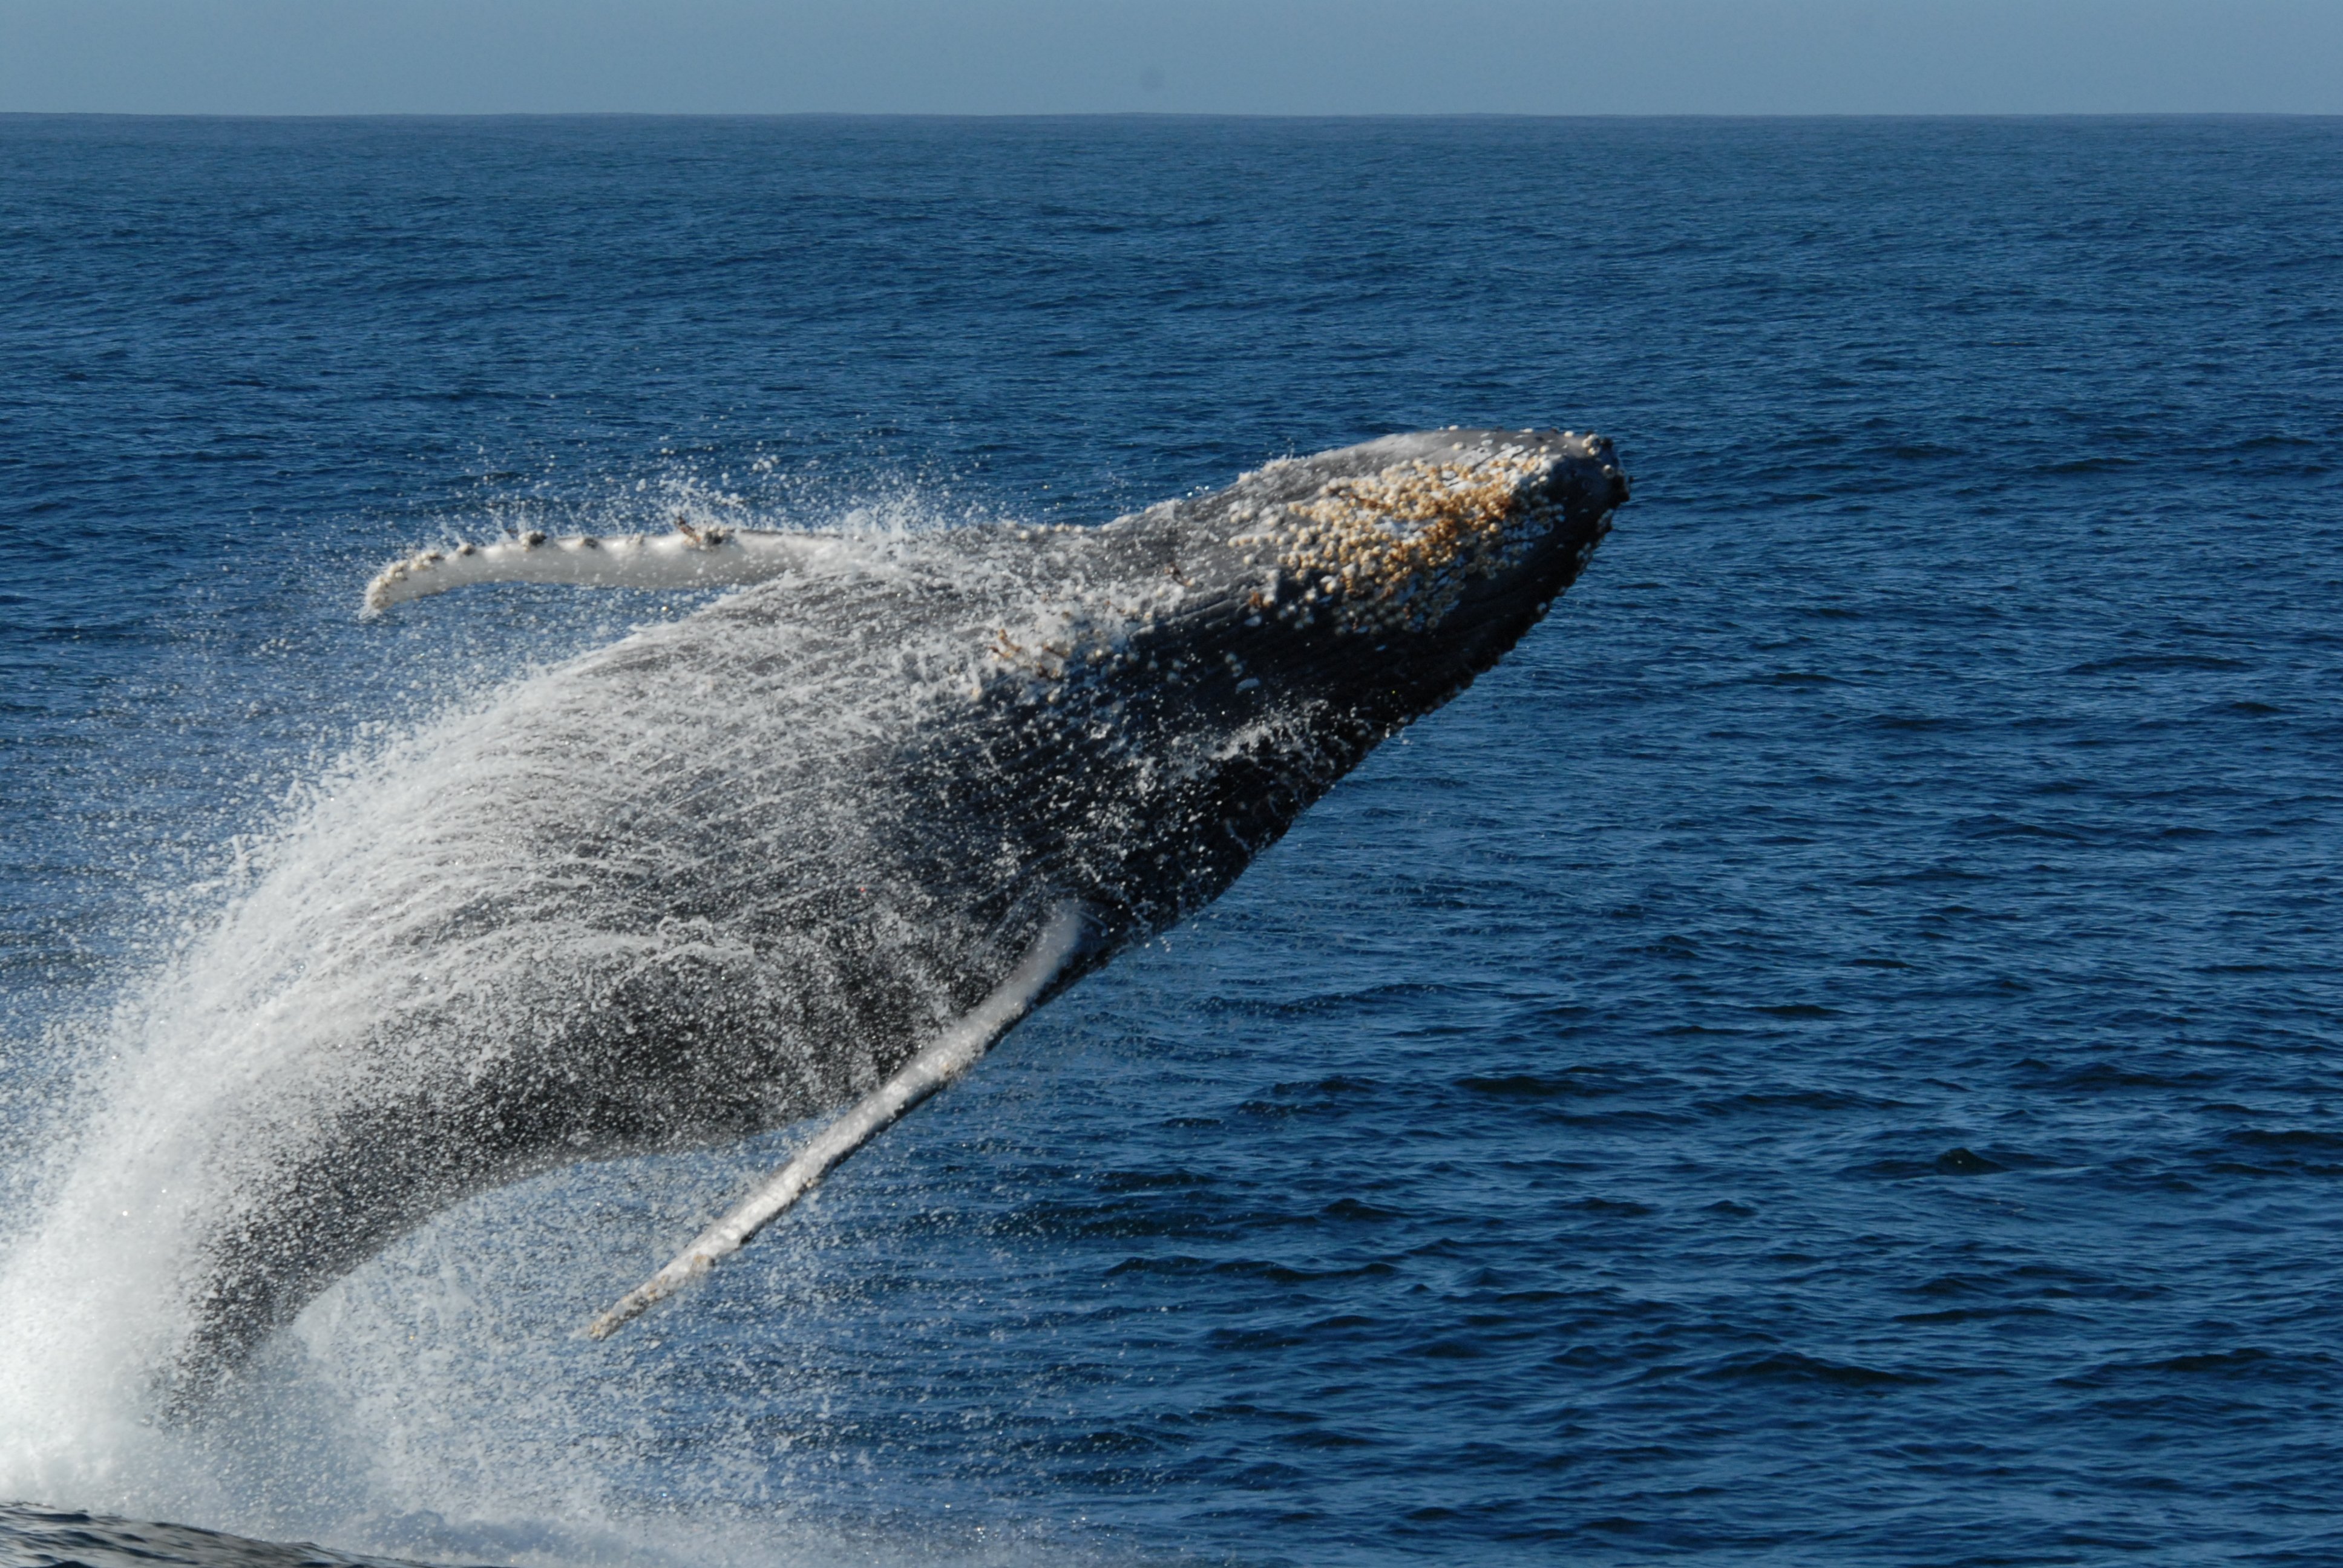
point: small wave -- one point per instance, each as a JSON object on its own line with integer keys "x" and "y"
{"x": 2157, "y": 664}
{"x": 62, "y": 1539}
{"x": 1573, "y": 1082}
{"x": 1792, "y": 1367}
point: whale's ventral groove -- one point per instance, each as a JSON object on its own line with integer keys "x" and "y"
{"x": 740, "y": 868}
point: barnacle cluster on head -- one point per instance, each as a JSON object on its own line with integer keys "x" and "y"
{"x": 1394, "y": 549}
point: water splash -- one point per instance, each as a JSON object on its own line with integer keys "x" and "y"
{"x": 432, "y": 1403}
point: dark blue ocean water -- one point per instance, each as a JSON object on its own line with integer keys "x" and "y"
{"x": 1833, "y": 1053}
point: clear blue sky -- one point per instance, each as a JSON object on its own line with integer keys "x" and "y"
{"x": 1242, "y": 56}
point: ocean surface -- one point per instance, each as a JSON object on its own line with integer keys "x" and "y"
{"x": 1832, "y": 1053}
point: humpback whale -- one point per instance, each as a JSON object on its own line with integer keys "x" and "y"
{"x": 815, "y": 846}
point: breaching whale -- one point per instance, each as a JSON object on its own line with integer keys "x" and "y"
{"x": 816, "y": 845}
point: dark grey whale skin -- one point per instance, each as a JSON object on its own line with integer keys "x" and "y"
{"x": 866, "y": 891}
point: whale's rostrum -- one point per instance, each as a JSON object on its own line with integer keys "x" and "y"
{"x": 763, "y": 861}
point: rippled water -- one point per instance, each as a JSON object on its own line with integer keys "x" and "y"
{"x": 1827, "y": 1055}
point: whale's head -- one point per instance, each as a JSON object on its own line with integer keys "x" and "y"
{"x": 1237, "y": 651}
{"x": 1386, "y": 575}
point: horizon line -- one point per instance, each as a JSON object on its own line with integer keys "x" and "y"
{"x": 1163, "y": 115}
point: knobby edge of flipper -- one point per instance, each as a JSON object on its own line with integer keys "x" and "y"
{"x": 937, "y": 1065}
{"x": 689, "y": 558}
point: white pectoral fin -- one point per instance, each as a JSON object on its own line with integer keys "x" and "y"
{"x": 951, "y": 1054}
{"x": 687, "y": 559}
